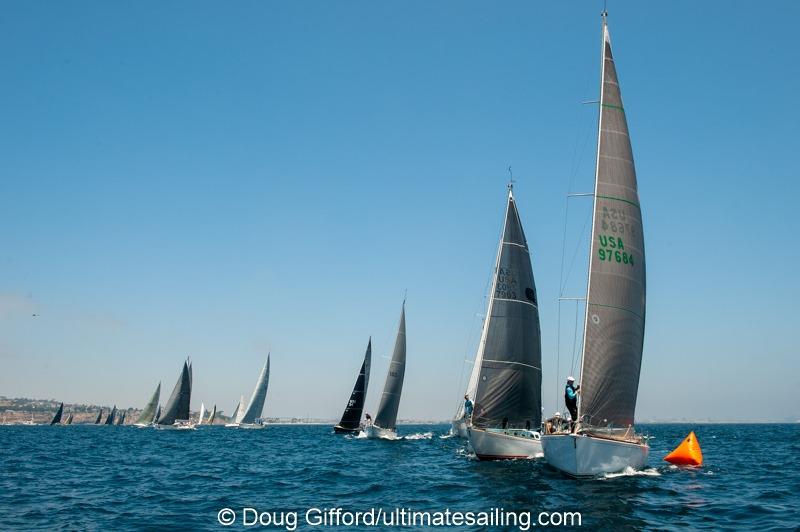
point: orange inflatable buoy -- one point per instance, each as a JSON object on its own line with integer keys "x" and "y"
{"x": 687, "y": 453}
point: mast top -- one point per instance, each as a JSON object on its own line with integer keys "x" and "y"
{"x": 510, "y": 180}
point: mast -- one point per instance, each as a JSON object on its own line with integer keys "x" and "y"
{"x": 603, "y": 16}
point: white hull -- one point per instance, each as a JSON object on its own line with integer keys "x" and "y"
{"x": 579, "y": 455}
{"x": 178, "y": 425}
{"x": 458, "y": 427}
{"x": 375, "y": 432}
{"x": 504, "y": 445}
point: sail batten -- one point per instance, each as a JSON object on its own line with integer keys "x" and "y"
{"x": 615, "y": 304}
{"x": 508, "y": 380}
{"x": 386, "y": 417}
{"x": 351, "y": 418}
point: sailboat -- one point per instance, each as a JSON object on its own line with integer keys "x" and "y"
{"x": 146, "y": 417}
{"x": 158, "y": 415}
{"x": 121, "y": 420}
{"x": 508, "y": 395}
{"x": 176, "y": 411}
{"x": 250, "y": 416}
{"x": 111, "y": 416}
{"x": 202, "y": 414}
{"x": 351, "y": 419}
{"x": 69, "y": 419}
{"x": 99, "y": 415}
{"x": 385, "y": 424}
{"x": 604, "y": 440}
{"x": 238, "y": 413}
{"x": 212, "y": 416}
{"x": 57, "y": 417}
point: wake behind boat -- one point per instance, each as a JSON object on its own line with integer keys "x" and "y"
{"x": 604, "y": 440}
{"x": 385, "y": 425}
{"x": 351, "y": 419}
{"x": 250, "y": 416}
{"x": 508, "y": 395}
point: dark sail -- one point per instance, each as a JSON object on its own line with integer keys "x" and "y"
{"x": 121, "y": 420}
{"x": 177, "y": 407}
{"x": 57, "y": 418}
{"x": 99, "y": 415}
{"x": 69, "y": 419}
{"x": 615, "y": 309}
{"x": 158, "y": 414}
{"x": 390, "y": 399}
{"x": 509, "y": 391}
{"x": 111, "y": 416}
{"x": 351, "y": 419}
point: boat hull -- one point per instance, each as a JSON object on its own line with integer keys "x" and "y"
{"x": 376, "y": 432}
{"x": 338, "y": 429}
{"x": 502, "y": 445}
{"x": 458, "y": 427}
{"x": 584, "y": 456}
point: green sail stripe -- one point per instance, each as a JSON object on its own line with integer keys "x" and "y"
{"x": 620, "y": 199}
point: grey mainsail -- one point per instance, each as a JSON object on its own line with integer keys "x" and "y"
{"x": 111, "y": 416}
{"x": 351, "y": 419}
{"x": 509, "y": 388}
{"x": 256, "y": 406}
{"x": 177, "y": 407}
{"x": 99, "y": 415}
{"x": 150, "y": 408}
{"x": 57, "y": 417}
{"x": 615, "y": 309}
{"x": 393, "y": 388}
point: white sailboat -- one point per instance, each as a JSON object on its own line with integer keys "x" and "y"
{"x": 250, "y": 417}
{"x": 237, "y": 414}
{"x": 202, "y": 414}
{"x": 604, "y": 440}
{"x": 507, "y": 414}
{"x": 385, "y": 424}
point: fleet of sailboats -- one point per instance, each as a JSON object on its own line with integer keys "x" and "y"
{"x": 502, "y": 417}
{"x": 385, "y": 424}
{"x": 603, "y": 439}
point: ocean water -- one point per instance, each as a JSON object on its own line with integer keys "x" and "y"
{"x": 124, "y": 478}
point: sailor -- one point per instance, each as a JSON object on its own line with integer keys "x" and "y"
{"x": 367, "y": 420}
{"x": 467, "y": 407}
{"x": 571, "y": 398}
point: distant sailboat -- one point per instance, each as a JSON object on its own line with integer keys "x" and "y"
{"x": 508, "y": 397}
{"x": 176, "y": 411}
{"x": 69, "y": 419}
{"x": 146, "y": 417}
{"x": 57, "y": 417}
{"x": 351, "y": 419}
{"x": 99, "y": 415}
{"x": 121, "y": 419}
{"x": 111, "y": 416}
{"x": 238, "y": 413}
{"x": 385, "y": 424}
{"x": 158, "y": 415}
{"x": 212, "y": 416}
{"x": 202, "y": 414}
{"x": 604, "y": 440}
{"x": 250, "y": 415}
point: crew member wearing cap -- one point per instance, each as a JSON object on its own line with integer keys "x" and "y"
{"x": 571, "y": 398}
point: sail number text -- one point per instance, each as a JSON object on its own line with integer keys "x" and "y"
{"x": 612, "y": 249}
{"x": 506, "y": 287}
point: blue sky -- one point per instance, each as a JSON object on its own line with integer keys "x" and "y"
{"x": 193, "y": 178}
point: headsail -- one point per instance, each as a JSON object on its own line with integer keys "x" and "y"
{"x": 390, "y": 399}
{"x": 57, "y": 417}
{"x": 150, "y": 408}
{"x": 177, "y": 407}
{"x": 351, "y": 419}
{"x": 615, "y": 309}
{"x": 509, "y": 390}
{"x": 256, "y": 406}
{"x": 202, "y": 413}
{"x": 239, "y": 411}
{"x": 111, "y": 416}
